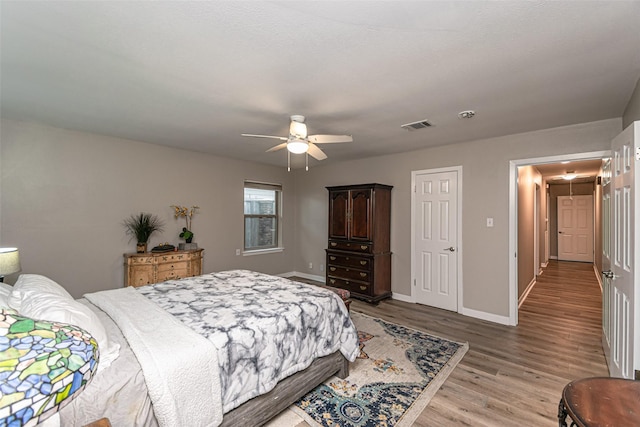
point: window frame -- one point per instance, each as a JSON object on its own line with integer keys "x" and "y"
{"x": 277, "y": 216}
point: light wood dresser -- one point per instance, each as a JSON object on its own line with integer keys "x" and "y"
{"x": 146, "y": 268}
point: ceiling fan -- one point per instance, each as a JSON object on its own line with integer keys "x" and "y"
{"x": 298, "y": 142}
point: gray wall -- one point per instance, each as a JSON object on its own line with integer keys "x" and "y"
{"x": 528, "y": 177}
{"x": 485, "y": 178}
{"x": 65, "y": 195}
{"x": 632, "y": 111}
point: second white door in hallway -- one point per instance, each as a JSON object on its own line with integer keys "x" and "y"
{"x": 575, "y": 228}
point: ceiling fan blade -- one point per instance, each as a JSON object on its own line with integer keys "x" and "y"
{"x": 277, "y": 147}
{"x": 316, "y": 153}
{"x": 281, "y": 138}
{"x": 329, "y": 139}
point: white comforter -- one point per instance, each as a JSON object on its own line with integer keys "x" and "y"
{"x": 180, "y": 367}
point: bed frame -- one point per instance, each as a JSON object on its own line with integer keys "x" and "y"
{"x": 261, "y": 409}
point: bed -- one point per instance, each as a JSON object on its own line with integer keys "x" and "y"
{"x": 228, "y": 348}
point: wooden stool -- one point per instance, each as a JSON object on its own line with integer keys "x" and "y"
{"x": 595, "y": 402}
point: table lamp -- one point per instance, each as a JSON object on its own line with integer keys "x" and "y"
{"x": 9, "y": 262}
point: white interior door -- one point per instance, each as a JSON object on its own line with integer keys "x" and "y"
{"x": 435, "y": 216}
{"x": 575, "y": 228}
{"x": 624, "y": 296}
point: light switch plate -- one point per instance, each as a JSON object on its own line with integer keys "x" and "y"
{"x": 489, "y": 222}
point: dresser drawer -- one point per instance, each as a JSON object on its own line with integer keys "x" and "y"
{"x": 170, "y": 266}
{"x": 350, "y": 246}
{"x": 337, "y": 258}
{"x": 178, "y": 273}
{"x": 169, "y": 257}
{"x": 141, "y": 260}
{"x": 349, "y": 273}
{"x": 352, "y": 286}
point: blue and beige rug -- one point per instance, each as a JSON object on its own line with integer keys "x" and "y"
{"x": 397, "y": 373}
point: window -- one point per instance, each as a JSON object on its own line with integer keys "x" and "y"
{"x": 261, "y": 216}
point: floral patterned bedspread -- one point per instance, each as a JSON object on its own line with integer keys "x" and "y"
{"x": 264, "y": 327}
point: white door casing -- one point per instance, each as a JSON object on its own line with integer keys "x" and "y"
{"x": 624, "y": 290}
{"x": 435, "y": 238}
{"x": 606, "y": 258}
{"x": 575, "y": 228}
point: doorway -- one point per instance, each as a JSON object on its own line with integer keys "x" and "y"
{"x": 513, "y": 217}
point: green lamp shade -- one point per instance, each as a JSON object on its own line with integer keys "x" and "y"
{"x": 43, "y": 365}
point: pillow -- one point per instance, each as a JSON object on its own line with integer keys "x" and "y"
{"x": 39, "y": 297}
{"x": 5, "y": 291}
{"x": 28, "y": 284}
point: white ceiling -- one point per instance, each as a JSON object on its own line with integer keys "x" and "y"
{"x": 196, "y": 75}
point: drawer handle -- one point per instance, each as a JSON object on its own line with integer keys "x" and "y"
{"x": 364, "y": 247}
{"x": 332, "y": 258}
{"x": 334, "y": 244}
{"x": 332, "y": 281}
{"x": 363, "y": 288}
{"x": 348, "y": 244}
{"x": 363, "y": 262}
{"x": 332, "y": 268}
{"x": 346, "y": 269}
{"x": 346, "y": 282}
{"x": 363, "y": 274}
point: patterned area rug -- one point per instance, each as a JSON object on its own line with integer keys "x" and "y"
{"x": 397, "y": 373}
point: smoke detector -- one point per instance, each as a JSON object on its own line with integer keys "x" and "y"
{"x": 417, "y": 125}
{"x": 466, "y": 114}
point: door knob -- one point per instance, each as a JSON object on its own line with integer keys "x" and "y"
{"x": 609, "y": 274}
{"x": 451, "y": 249}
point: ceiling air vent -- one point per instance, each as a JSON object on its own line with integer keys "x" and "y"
{"x": 417, "y": 125}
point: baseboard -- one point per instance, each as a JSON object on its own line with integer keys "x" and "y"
{"x": 525, "y": 294}
{"x": 482, "y": 315}
{"x": 595, "y": 270}
{"x": 544, "y": 264}
{"x": 553, "y": 257}
{"x": 402, "y": 297}
{"x": 304, "y": 276}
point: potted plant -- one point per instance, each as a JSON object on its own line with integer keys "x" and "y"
{"x": 186, "y": 233}
{"x": 142, "y": 226}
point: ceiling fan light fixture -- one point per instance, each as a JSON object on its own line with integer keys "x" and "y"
{"x": 298, "y": 129}
{"x": 297, "y": 147}
{"x": 570, "y": 176}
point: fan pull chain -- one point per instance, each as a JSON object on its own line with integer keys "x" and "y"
{"x": 307, "y": 160}
{"x": 288, "y": 161}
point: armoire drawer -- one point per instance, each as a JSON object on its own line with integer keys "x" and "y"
{"x": 349, "y": 273}
{"x": 350, "y": 246}
{"x": 337, "y": 258}
{"x": 353, "y": 286}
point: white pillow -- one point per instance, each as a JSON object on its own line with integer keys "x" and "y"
{"x": 5, "y": 291}
{"x": 36, "y": 300}
{"x": 29, "y": 284}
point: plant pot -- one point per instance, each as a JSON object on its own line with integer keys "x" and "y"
{"x": 141, "y": 247}
{"x": 189, "y": 240}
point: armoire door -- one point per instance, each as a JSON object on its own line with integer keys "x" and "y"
{"x": 361, "y": 222}
{"x": 339, "y": 214}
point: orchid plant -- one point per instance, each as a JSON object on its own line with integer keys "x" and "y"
{"x": 187, "y": 213}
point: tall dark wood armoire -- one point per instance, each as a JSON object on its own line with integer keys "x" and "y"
{"x": 358, "y": 256}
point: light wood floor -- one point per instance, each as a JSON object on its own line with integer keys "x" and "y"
{"x": 513, "y": 375}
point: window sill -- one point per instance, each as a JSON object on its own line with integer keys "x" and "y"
{"x": 262, "y": 251}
